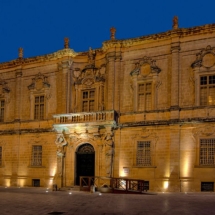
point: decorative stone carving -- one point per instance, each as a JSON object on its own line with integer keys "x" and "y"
{"x": 89, "y": 75}
{"x": 60, "y": 142}
{"x": 109, "y": 151}
{"x": 39, "y": 82}
{"x": 90, "y": 134}
{"x": 66, "y": 43}
{"x": 91, "y": 56}
{"x": 175, "y": 22}
{"x": 20, "y": 52}
{"x": 112, "y": 33}
{"x": 205, "y": 58}
{"x": 207, "y": 130}
{"x": 4, "y": 91}
{"x": 145, "y": 67}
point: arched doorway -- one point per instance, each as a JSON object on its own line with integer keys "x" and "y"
{"x": 85, "y": 161}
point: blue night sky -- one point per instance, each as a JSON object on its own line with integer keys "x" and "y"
{"x": 39, "y": 26}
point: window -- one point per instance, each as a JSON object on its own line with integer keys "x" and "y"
{"x": 143, "y": 153}
{"x": 2, "y": 102}
{"x": 207, "y": 90}
{"x": 39, "y": 105}
{"x": 207, "y": 152}
{"x": 0, "y": 155}
{"x": 36, "y": 159}
{"x": 88, "y": 100}
{"x": 145, "y": 96}
{"x": 207, "y": 186}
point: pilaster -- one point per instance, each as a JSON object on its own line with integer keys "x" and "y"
{"x": 64, "y": 74}
{"x": 175, "y": 49}
{"x": 18, "y": 100}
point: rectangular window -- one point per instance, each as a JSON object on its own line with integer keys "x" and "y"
{"x": 143, "y": 153}
{"x": 207, "y": 186}
{"x": 0, "y": 155}
{"x": 88, "y": 100}
{"x": 36, "y": 157}
{"x": 2, "y": 103}
{"x": 145, "y": 96}
{"x": 207, "y": 152}
{"x": 207, "y": 90}
{"x": 39, "y": 106}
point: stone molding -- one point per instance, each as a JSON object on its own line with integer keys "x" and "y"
{"x": 180, "y": 32}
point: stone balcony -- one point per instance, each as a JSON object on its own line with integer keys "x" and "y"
{"x": 97, "y": 118}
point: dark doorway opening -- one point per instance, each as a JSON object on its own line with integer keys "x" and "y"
{"x": 85, "y": 162}
{"x": 36, "y": 182}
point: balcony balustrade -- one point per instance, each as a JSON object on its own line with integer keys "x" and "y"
{"x": 84, "y": 117}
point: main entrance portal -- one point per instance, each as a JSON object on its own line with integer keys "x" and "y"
{"x": 85, "y": 161}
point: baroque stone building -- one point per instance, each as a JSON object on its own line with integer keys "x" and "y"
{"x": 140, "y": 108}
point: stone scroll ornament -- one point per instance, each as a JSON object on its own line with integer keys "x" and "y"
{"x": 60, "y": 142}
{"x": 109, "y": 152}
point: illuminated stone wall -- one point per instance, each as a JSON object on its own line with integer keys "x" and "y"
{"x": 172, "y": 62}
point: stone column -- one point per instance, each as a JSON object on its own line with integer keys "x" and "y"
{"x": 18, "y": 102}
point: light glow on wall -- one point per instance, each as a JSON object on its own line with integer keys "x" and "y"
{"x": 185, "y": 168}
{"x": 165, "y": 184}
{"x": 22, "y": 182}
{"x": 7, "y": 182}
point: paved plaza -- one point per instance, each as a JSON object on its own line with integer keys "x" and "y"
{"x": 40, "y": 201}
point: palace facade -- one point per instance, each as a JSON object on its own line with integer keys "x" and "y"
{"x": 140, "y": 108}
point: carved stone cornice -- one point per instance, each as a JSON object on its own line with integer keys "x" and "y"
{"x": 38, "y": 59}
{"x": 180, "y": 32}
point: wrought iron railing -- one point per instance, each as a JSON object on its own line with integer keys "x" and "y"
{"x": 126, "y": 185}
{"x": 117, "y": 185}
{"x": 87, "y": 181}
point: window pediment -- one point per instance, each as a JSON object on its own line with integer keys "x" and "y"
{"x": 39, "y": 82}
{"x": 145, "y": 67}
{"x": 3, "y": 87}
{"x": 89, "y": 75}
{"x": 205, "y": 58}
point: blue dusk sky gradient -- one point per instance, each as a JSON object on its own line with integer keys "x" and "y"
{"x": 40, "y": 26}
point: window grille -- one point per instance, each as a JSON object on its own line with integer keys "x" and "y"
{"x": 0, "y": 155}
{"x": 39, "y": 106}
{"x": 2, "y": 103}
{"x": 144, "y": 96}
{"x": 36, "y": 159}
{"x": 88, "y": 100}
{"x": 207, "y": 90}
{"x": 207, "y": 151}
{"x": 143, "y": 153}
